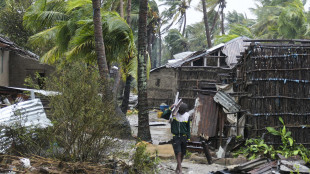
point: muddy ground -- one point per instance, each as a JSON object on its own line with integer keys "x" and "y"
{"x": 160, "y": 132}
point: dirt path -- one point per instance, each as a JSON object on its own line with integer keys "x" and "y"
{"x": 188, "y": 167}
{"x": 165, "y": 152}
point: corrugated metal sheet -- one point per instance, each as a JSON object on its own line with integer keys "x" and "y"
{"x": 28, "y": 113}
{"x": 226, "y": 101}
{"x": 180, "y": 62}
{"x": 182, "y": 55}
{"x": 232, "y": 49}
{"x": 205, "y": 117}
{"x": 43, "y": 92}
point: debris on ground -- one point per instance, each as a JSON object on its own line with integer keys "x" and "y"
{"x": 36, "y": 164}
{"x": 266, "y": 166}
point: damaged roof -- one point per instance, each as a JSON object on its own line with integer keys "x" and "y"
{"x": 231, "y": 49}
{"x": 11, "y": 46}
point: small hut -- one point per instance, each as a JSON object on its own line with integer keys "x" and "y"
{"x": 18, "y": 63}
{"x": 191, "y": 72}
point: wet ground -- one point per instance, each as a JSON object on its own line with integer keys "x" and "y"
{"x": 160, "y": 132}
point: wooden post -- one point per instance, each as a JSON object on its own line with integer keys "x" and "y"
{"x": 205, "y": 61}
{"x": 218, "y": 59}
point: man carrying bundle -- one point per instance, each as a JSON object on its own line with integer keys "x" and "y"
{"x": 180, "y": 128}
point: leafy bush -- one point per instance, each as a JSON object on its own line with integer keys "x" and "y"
{"x": 84, "y": 122}
{"x": 257, "y": 147}
{"x": 142, "y": 160}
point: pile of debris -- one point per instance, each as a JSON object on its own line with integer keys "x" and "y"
{"x": 37, "y": 164}
{"x": 266, "y": 166}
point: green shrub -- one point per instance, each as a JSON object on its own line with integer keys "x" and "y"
{"x": 257, "y": 147}
{"x": 84, "y": 123}
{"x": 142, "y": 160}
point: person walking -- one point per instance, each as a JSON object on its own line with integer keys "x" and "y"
{"x": 180, "y": 128}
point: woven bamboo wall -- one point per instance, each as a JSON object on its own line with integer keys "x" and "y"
{"x": 189, "y": 79}
{"x": 276, "y": 78}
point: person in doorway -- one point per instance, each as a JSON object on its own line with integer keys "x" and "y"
{"x": 180, "y": 128}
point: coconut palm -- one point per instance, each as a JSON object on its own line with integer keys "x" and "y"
{"x": 69, "y": 26}
{"x": 176, "y": 43}
{"x": 206, "y": 22}
{"x": 99, "y": 43}
{"x": 143, "y": 116}
{"x": 176, "y": 13}
{"x": 280, "y": 20}
{"x": 211, "y": 16}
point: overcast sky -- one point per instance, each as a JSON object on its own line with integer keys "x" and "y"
{"x": 241, "y": 6}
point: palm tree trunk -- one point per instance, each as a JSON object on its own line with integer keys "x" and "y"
{"x": 154, "y": 50}
{"x": 143, "y": 116}
{"x": 116, "y": 85}
{"x": 99, "y": 43}
{"x": 160, "y": 49}
{"x": 121, "y": 8}
{"x": 214, "y": 22}
{"x": 184, "y": 25}
{"x": 126, "y": 95}
{"x": 222, "y": 21}
{"x": 125, "y": 101}
{"x": 128, "y": 13}
{"x": 117, "y": 80}
{"x": 205, "y": 18}
{"x": 149, "y": 43}
{"x": 222, "y": 6}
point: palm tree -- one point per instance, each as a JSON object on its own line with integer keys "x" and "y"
{"x": 196, "y": 36}
{"x": 238, "y": 18}
{"x": 206, "y": 22}
{"x": 152, "y": 25}
{"x": 176, "y": 12}
{"x": 209, "y": 12}
{"x": 126, "y": 93}
{"x": 99, "y": 43}
{"x": 69, "y": 27}
{"x": 143, "y": 116}
{"x": 222, "y": 5}
{"x": 280, "y": 20}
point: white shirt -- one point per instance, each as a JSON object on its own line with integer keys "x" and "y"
{"x": 182, "y": 118}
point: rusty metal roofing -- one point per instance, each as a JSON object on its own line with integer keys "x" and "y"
{"x": 28, "y": 114}
{"x": 5, "y": 43}
{"x": 226, "y": 101}
{"x": 205, "y": 117}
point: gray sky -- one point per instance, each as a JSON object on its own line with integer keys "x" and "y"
{"x": 241, "y": 6}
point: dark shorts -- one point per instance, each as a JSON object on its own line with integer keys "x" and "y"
{"x": 179, "y": 144}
